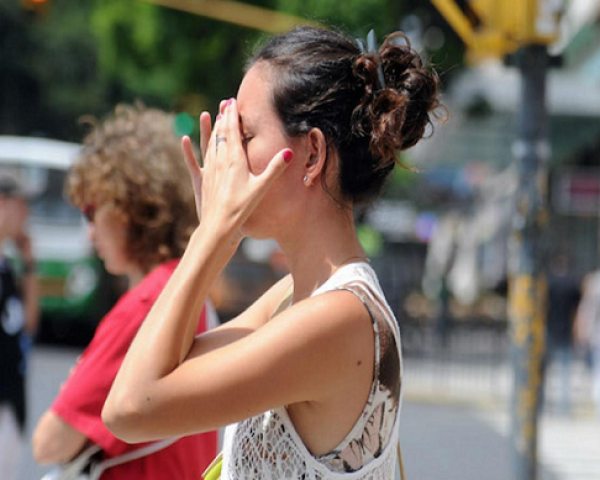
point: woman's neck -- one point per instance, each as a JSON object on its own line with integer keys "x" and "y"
{"x": 319, "y": 246}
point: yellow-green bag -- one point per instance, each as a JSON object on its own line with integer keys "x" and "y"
{"x": 213, "y": 471}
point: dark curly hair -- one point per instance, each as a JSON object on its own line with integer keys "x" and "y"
{"x": 322, "y": 80}
{"x": 133, "y": 161}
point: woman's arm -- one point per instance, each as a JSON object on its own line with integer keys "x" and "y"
{"x": 319, "y": 349}
{"x": 55, "y": 441}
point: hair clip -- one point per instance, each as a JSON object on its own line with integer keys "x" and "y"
{"x": 372, "y": 48}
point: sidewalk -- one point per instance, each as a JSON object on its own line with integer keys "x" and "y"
{"x": 445, "y": 441}
{"x": 568, "y": 448}
{"x": 466, "y": 423}
{"x": 488, "y": 384}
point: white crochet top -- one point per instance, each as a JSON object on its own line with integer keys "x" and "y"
{"x": 267, "y": 446}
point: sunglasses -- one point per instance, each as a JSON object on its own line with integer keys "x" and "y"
{"x": 88, "y": 212}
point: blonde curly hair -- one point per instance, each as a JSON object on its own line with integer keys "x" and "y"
{"x": 133, "y": 160}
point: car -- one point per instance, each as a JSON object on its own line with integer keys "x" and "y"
{"x": 75, "y": 290}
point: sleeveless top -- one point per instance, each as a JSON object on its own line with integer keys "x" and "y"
{"x": 267, "y": 446}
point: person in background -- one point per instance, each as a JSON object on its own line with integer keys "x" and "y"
{"x": 18, "y": 323}
{"x": 587, "y": 329}
{"x": 563, "y": 298}
{"x": 132, "y": 186}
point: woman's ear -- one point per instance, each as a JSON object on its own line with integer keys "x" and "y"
{"x": 317, "y": 156}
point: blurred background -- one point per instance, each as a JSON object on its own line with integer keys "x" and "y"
{"x": 439, "y": 239}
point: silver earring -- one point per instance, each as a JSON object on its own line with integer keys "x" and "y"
{"x": 305, "y": 179}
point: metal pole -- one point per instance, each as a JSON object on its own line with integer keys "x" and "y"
{"x": 527, "y": 286}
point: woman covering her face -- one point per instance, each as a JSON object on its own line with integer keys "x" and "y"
{"x": 309, "y": 377}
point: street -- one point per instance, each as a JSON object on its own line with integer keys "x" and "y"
{"x": 440, "y": 440}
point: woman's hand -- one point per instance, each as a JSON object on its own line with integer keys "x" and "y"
{"x": 226, "y": 190}
{"x": 193, "y": 167}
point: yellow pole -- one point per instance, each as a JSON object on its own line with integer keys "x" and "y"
{"x": 457, "y": 19}
{"x": 238, "y": 13}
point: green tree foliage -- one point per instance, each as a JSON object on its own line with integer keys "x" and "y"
{"x": 19, "y": 90}
{"x": 353, "y": 16}
{"x": 47, "y": 69}
{"x": 185, "y": 61}
{"x": 83, "y": 56}
{"x": 65, "y": 58}
{"x": 169, "y": 57}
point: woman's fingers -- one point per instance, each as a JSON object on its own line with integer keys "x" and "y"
{"x": 194, "y": 171}
{"x": 221, "y": 133}
{"x": 190, "y": 157}
{"x": 232, "y": 126}
{"x": 205, "y": 132}
{"x": 210, "y": 147}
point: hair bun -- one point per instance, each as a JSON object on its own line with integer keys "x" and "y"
{"x": 396, "y": 116}
{"x": 323, "y": 81}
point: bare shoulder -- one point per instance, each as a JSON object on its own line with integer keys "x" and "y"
{"x": 334, "y": 309}
{"x": 332, "y": 333}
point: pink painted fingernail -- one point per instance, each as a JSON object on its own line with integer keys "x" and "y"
{"x": 288, "y": 155}
{"x": 230, "y": 101}
{"x": 219, "y": 116}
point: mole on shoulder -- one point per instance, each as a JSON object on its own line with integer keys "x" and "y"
{"x": 359, "y": 363}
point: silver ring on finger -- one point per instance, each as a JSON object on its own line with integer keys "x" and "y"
{"x": 219, "y": 140}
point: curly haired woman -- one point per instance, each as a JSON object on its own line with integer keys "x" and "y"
{"x": 132, "y": 187}
{"x": 309, "y": 383}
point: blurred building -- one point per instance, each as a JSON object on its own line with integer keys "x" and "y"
{"x": 484, "y": 103}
